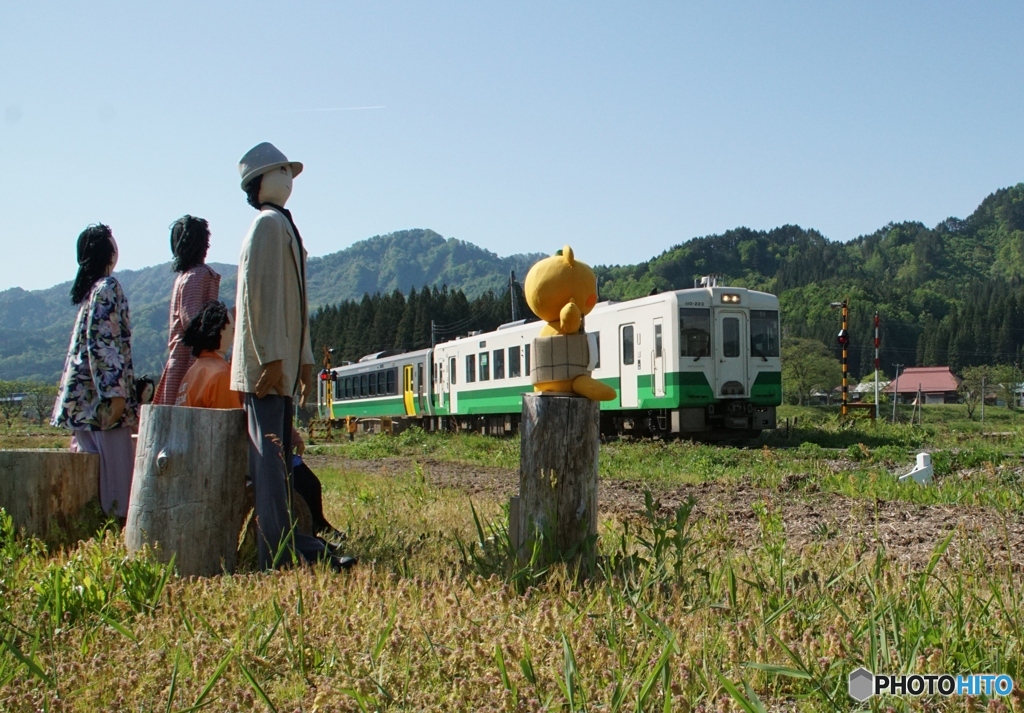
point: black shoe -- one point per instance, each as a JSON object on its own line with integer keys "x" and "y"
{"x": 341, "y": 562}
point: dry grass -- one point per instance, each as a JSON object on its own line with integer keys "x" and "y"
{"x": 682, "y": 613}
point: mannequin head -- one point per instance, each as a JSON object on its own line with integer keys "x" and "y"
{"x": 267, "y": 175}
{"x": 97, "y": 257}
{"x": 212, "y": 329}
{"x": 276, "y": 185}
{"x": 190, "y": 240}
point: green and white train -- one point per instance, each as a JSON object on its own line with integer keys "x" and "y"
{"x": 699, "y": 362}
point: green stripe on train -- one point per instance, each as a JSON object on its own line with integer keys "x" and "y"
{"x": 767, "y": 389}
{"x": 391, "y": 406}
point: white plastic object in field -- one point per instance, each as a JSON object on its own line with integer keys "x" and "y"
{"x": 922, "y": 472}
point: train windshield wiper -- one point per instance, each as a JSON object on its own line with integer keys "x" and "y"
{"x": 757, "y": 352}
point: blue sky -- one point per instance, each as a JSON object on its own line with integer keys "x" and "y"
{"x": 620, "y": 128}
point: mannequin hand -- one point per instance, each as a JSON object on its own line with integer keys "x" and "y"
{"x": 298, "y": 445}
{"x": 271, "y": 379}
{"x": 111, "y": 411}
{"x": 305, "y": 383}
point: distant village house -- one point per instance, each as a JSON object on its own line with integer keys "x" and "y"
{"x": 937, "y": 385}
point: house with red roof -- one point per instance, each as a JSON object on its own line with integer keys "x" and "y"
{"x": 937, "y": 385}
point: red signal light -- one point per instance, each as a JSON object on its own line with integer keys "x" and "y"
{"x": 843, "y": 338}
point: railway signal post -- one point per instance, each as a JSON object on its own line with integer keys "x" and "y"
{"x": 844, "y": 341}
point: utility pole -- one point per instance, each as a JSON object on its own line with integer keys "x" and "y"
{"x": 512, "y": 294}
{"x": 895, "y": 391}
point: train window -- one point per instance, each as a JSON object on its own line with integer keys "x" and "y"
{"x": 657, "y": 340}
{"x": 419, "y": 379}
{"x": 514, "y": 368}
{"x": 731, "y": 337}
{"x": 364, "y": 384}
{"x": 348, "y": 387}
{"x": 694, "y": 332}
{"x": 526, "y": 359}
{"x": 382, "y": 383}
{"x": 343, "y": 387}
{"x": 499, "y": 364}
{"x": 485, "y": 371}
{"x": 597, "y": 340}
{"x": 470, "y": 368}
{"x": 373, "y": 384}
{"x": 627, "y": 344}
{"x": 764, "y": 332}
{"x": 392, "y": 381}
{"x": 451, "y": 369}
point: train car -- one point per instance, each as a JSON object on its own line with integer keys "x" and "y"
{"x": 702, "y": 361}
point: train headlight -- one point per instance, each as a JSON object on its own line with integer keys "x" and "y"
{"x": 730, "y": 298}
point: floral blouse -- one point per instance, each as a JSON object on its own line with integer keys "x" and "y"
{"x": 99, "y": 362}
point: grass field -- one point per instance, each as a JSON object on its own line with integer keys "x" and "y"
{"x": 728, "y": 578}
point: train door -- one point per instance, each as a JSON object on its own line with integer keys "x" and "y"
{"x": 731, "y": 341}
{"x": 439, "y": 384}
{"x": 658, "y": 360}
{"x": 452, "y": 384}
{"x": 629, "y": 366}
{"x": 421, "y": 388}
{"x": 408, "y": 391}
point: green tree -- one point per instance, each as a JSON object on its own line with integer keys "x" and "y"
{"x": 807, "y": 366}
{"x": 39, "y": 398}
{"x": 11, "y": 403}
{"x": 972, "y": 381}
{"x": 1005, "y": 378}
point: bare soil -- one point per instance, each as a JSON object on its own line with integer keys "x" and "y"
{"x": 908, "y": 532}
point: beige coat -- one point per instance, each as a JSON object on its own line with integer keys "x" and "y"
{"x": 271, "y": 312}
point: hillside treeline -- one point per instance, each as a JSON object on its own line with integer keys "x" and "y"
{"x": 948, "y": 295}
{"x": 396, "y": 321}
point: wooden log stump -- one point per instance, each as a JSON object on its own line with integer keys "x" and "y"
{"x": 43, "y": 490}
{"x": 557, "y": 502}
{"x": 188, "y": 489}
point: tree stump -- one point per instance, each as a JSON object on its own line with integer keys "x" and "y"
{"x": 557, "y": 502}
{"x": 43, "y": 490}
{"x": 188, "y": 489}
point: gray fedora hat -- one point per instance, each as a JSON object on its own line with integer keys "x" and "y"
{"x": 262, "y": 158}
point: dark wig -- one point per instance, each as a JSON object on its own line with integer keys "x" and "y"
{"x": 203, "y": 332}
{"x": 252, "y": 191}
{"x": 95, "y": 250}
{"x": 190, "y": 239}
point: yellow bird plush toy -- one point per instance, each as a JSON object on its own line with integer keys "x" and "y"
{"x": 561, "y": 290}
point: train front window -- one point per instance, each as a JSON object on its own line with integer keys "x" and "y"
{"x": 694, "y": 332}
{"x": 499, "y": 363}
{"x": 470, "y": 368}
{"x": 764, "y": 333}
{"x": 485, "y": 371}
{"x": 731, "y": 337}
{"x": 514, "y": 368}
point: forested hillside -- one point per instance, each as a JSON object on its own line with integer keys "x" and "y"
{"x": 950, "y": 294}
{"x": 946, "y": 295}
{"x": 35, "y": 326}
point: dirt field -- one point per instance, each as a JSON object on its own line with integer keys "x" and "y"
{"x": 908, "y": 532}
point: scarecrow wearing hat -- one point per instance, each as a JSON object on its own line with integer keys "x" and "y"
{"x": 273, "y": 360}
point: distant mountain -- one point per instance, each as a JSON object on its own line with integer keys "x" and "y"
{"x": 35, "y": 326}
{"x": 948, "y": 295}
